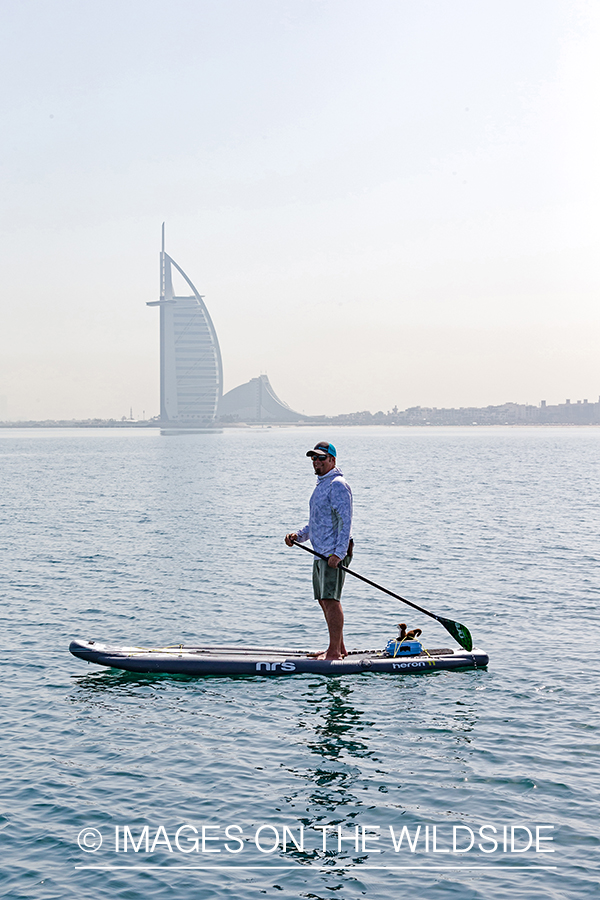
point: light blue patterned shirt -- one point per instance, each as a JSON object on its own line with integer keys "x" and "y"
{"x": 330, "y": 522}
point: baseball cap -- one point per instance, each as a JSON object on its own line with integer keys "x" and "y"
{"x": 323, "y": 447}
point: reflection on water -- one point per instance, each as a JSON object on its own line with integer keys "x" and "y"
{"x": 340, "y": 722}
{"x": 351, "y": 775}
{"x": 339, "y": 738}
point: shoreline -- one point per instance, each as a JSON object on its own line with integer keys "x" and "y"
{"x": 109, "y": 423}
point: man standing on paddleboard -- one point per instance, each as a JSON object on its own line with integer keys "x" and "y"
{"x": 329, "y": 530}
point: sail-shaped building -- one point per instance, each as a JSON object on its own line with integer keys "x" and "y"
{"x": 254, "y": 402}
{"x": 191, "y": 371}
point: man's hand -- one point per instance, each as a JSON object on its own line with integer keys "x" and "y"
{"x": 290, "y": 538}
{"x": 333, "y": 561}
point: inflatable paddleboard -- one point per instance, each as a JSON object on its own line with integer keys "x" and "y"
{"x": 396, "y": 659}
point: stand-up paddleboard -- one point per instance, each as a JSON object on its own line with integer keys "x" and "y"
{"x": 397, "y": 658}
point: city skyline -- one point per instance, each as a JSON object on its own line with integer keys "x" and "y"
{"x": 255, "y": 403}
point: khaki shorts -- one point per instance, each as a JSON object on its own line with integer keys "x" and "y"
{"x": 327, "y": 581}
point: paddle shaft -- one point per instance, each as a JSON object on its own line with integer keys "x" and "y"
{"x": 367, "y": 581}
{"x": 462, "y": 637}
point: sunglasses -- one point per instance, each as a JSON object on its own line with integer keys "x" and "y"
{"x": 316, "y": 456}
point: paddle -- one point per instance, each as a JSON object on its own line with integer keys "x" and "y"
{"x": 459, "y": 632}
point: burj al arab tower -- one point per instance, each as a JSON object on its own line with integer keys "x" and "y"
{"x": 191, "y": 371}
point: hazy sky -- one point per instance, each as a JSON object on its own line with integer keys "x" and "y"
{"x": 383, "y": 202}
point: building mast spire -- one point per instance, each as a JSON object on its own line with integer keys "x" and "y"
{"x": 163, "y": 267}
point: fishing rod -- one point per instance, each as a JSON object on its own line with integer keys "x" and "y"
{"x": 459, "y": 632}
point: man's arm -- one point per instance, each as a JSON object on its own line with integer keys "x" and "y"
{"x": 341, "y": 502}
{"x": 299, "y": 536}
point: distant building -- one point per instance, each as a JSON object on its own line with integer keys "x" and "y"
{"x": 256, "y": 401}
{"x": 191, "y": 371}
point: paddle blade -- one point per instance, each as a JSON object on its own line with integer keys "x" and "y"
{"x": 459, "y": 632}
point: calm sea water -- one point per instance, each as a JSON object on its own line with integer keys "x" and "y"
{"x": 133, "y": 537}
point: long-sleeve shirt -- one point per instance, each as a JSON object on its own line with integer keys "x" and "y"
{"x": 329, "y": 527}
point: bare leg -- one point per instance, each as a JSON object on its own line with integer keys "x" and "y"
{"x": 334, "y": 616}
